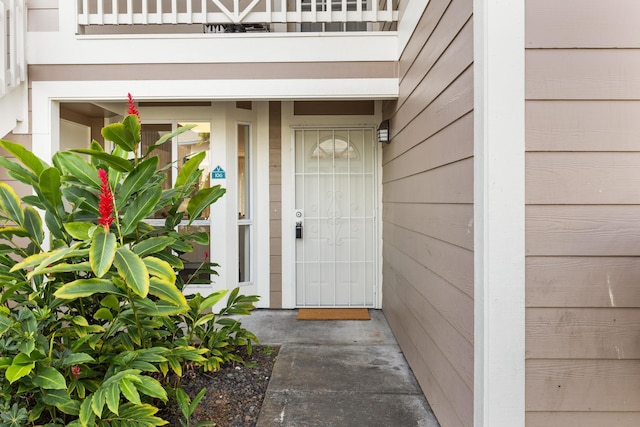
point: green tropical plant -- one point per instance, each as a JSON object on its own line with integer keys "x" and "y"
{"x": 188, "y": 407}
{"x": 92, "y": 313}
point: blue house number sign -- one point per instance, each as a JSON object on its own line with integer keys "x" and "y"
{"x": 218, "y": 173}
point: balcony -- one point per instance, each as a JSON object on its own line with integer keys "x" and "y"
{"x": 234, "y": 16}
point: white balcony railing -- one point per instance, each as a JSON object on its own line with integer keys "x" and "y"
{"x": 318, "y": 15}
{"x": 12, "y": 48}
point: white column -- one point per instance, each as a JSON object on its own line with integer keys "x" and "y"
{"x": 499, "y": 185}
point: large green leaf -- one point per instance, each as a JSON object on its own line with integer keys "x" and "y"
{"x": 120, "y": 135}
{"x": 153, "y": 245}
{"x": 132, "y": 124}
{"x": 29, "y": 159}
{"x": 160, "y": 268}
{"x": 49, "y": 378}
{"x": 33, "y": 224}
{"x": 59, "y": 254}
{"x": 212, "y": 300}
{"x": 115, "y": 162}
{"x": 85, "y": 288}
{"x": 79, "y": 230}
{"x": 10, "y": 203}
{"x": 132, "y": 269}
{"x": 81, "y": 198}
{"x": 79, "y": 168}
{"x": 190, "y": 169}
{"x": 18, "y": 172}
{"x": 142, "y": 207}
{"x": 167, "y": 291}
{"x": 202, "y": 200}
{"x": 50, "y": 186}
{"x": 5, "y": 324}
{"x": 102, "y": 251}
{"x": 136, "y": 180}
{"x": 62, "y": 268}
{"x": 20, "y": 367}
{"x": 129, "y": 391}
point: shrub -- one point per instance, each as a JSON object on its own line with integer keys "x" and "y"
{"x": 92, "y": 313}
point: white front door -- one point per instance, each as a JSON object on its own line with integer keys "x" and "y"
{"x": 336, "y": 227}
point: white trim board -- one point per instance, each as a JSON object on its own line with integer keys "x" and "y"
{"x": 499, "y": 186}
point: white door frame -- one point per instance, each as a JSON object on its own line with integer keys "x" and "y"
{"x": 289, "y": 122}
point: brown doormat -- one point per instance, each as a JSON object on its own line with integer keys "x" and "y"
{"x": 333, "y": 314}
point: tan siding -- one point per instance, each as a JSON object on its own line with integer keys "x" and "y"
{"x": 583, "y": 333}
{"x": 574, "y": 281}
{"x": 221, "y": 71}
{"x": 583, "y": 213}
{"x": 571, "y": 23}
{"x": 583, "y": 385}
{"x": 428, "y": 212}
{"x": 583, "y": 178}
{"x": 582, "y": 126}
{"x": 583, "y": 419}
{"x": 275, "y": 204}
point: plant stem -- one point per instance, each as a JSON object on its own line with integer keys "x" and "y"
{"x": 135, "y": 315}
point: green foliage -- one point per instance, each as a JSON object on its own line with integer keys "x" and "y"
{"x": 188, "y": 407}
{"x": 92, "y": 322}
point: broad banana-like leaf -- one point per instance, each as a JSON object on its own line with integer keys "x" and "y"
{"x": 142, "y": 207}
{"x": 78, "y": 167}
{"x": 33, "y": 224}
{"x": 102, "y": 251}
{"x": 119, "y": 135}
{"x": 167, "y": 291}
{"x": 203, "y": 199}
{"x": 50, "y": 186}
{"x": 85, "y": 288}
{"x": 153, "y": 245}
{"x": 79, "y": 230}
{"x": 49, "y": 378}
{"x": 136, "y": 180}
{"x": 115, "y": 162}
{"x": 27, "y": 158}
{"x": 160, "y": 269}
{"x": 10, "y": 203}
{"x": 190, "y": 168}
{"x": 132, "y": 269}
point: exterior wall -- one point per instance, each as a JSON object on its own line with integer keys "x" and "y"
{"x": 428, "y": 209}
{"x": 275, "y": 202}
{"x": 42, "y": 15}
{"x": 583, "y": 205}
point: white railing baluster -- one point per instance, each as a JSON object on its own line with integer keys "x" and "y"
{"x": 145, "y": 12}
{"x": 139, "y": 12}
{"x": 11, "y": 57}
{"x": 174, "y": 11}
{"x": 21, "y": 30}
{"x": 100, "y": 12}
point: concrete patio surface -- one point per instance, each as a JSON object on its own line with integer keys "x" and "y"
{"x": 337, "y": 373}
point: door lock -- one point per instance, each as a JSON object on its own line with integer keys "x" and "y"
{"x": 298, "y": 224}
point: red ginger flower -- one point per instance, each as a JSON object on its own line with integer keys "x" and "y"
{"x": 105, "y": 201}
{"x": 131, "y": 106}
{"x": 75, "y": 371}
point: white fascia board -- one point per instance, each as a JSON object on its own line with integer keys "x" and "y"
{"x": 63, "y": 48}
{"x": 408, "y": 22}
{"x": 499, "y": 213}
{"x": 216, "y": 90}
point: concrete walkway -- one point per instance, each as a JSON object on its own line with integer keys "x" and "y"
{"x": 337, "y": 373}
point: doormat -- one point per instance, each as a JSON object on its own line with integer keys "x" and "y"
{"x": 333, "y": 314}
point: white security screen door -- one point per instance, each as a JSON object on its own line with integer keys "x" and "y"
{"x": 335, "y": 207}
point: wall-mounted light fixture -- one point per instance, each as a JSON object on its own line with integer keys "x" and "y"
{"x": 383, "y": 132}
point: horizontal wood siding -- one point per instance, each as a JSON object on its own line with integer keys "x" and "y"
{"x": 583, "y": 213}
{"x": 428, "y": 209}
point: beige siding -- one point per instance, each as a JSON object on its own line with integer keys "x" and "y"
{"x": 583, "y": 210}
{"x": 428, "y": 209}
{"x": 275, "y": 204}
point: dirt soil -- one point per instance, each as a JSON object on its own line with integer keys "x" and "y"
{"x": 234, "y": 393}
